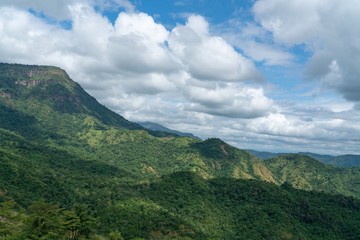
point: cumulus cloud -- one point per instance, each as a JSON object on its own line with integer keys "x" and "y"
{"x": 254, "y": 43}
{"x": 328, "y": 29}
{"x": 136, "y": 57}
{"x": 230, "y": 101}
{"x": 209, "y": 57}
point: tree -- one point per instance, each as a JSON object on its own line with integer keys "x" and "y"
{"x": 45, "y": 221}
{"x": 10, "y": 220}
{"x": 115, "y": 236}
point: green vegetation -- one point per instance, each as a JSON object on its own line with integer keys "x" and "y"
{"x": 72, "y": 169}
{"x": 303, "y": 172}
{"x": 183, "y": 205}
{"x": 348, "y": 160}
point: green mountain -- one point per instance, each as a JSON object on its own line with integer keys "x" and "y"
{"x": 320, "y": 157}
{"x": 349, "y": 160}
{"x": 46, "y": 98}
{"x": 157, "y": 127}
{"x": 304, "y": 172}
{"x": 72, "y": 169}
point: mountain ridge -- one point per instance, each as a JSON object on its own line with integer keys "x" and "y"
{"x": 346, "y": 160}
{"x": 158, "y": 127}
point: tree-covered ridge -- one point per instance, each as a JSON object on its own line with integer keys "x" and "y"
{"x": 304, "y": 172}
{"x": 183, "y": 205}
{"x": 348, "y": 160}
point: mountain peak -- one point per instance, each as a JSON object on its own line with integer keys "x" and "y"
{"x": 49, "y": 92}
{"x": 31, "y": 75}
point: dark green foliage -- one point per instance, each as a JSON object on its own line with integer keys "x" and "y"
{"x": 250, "y": 209}
{"x": 16, "y": 121}
{"x": 44, "y": 221}
{"x": 184, "y": 205}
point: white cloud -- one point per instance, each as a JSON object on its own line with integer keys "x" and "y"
{"x": 268, "y": 54}
{"x": 131, "y": 59}
{"x": 209, "y": 57}
{"x": 254, "y": 42}
{"x": 186, "y": 77}
{"x": 141, "y": 25}
{"x": 291, "y": 22}
{"x": 231, "y": 101}
{"x": 328, "y": 28}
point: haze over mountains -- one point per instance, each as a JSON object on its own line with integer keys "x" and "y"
{"x": 348, "y": 160}
{"x": 157, "y": 127}
{"x": 70, "y": 168}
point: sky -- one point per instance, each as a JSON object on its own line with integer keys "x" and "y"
{"x": 269, "y": 75}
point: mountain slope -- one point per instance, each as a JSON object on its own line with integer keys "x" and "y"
{"x": 304, "y": 172}
{"x": 44, "y": 105}
{"x": 348, "y": 160}
{"x": 48, "y": 99}
{"x": 183, "y": 205}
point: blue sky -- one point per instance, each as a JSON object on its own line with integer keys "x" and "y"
{"x": 271, "y": 75}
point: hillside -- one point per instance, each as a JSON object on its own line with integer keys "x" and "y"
{"x": 185, "y": 206}
{"x": 46, "y": 98}
{"x": 70, "y": 168}
{"x": 349, "y": 160}
{"x": 304, "y": 172}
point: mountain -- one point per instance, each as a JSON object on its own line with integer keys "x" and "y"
{"x": 72, "y": 169}
{"x": 38, "y": 90}
{"x": 262, "y": 154}
{"x": 157, "y": 127}
{"x": 304, "y": 172}
{"x": 348, "y": 160}
{"x": 320, "y": 157}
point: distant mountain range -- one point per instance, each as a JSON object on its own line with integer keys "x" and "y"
{"x": 72, "y": 169}
{"x": 348, "y": 160}
{"x": 157, "y": 127}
